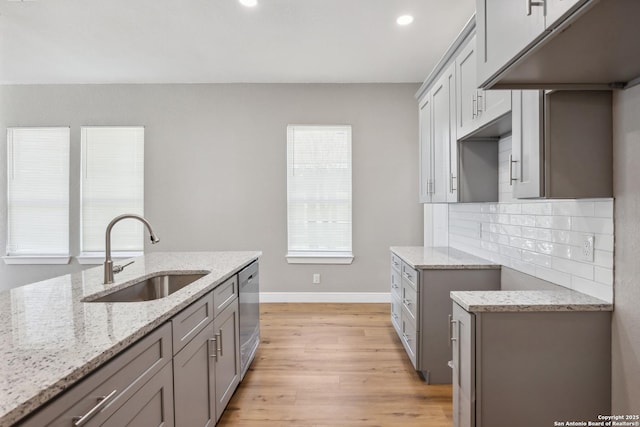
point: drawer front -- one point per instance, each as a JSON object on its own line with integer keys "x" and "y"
{"x": 396, "y": 284}
{"x": 409, "y": 336}
{"x": 396, "y": 262}
{"x": 119, "y": 380}
{"x": 409, "y": 274}
{"x": 396, "y": 314}
{"x": 410, "y": 300}
{"x": 191, "y": 320}
{"x": 224, "y": 294}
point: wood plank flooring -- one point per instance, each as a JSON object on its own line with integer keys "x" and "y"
{"x": 322, "y": 365}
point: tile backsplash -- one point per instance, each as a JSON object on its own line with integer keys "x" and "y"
{"x": 543, "y": 238}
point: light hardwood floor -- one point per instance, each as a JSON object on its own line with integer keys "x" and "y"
{"x": 322, "y": 365}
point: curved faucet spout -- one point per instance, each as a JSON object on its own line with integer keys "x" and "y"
{"x": 108, "y": 263}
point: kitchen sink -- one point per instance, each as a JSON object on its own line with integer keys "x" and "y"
{"x": 151, "y": 288}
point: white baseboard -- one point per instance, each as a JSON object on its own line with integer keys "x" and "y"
{"x": 349, "y": 297}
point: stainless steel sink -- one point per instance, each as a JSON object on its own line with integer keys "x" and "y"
{"x": 151, "y": 288}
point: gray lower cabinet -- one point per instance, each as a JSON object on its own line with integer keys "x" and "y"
{"x": 420, "y": 314}
{"x": 207, "y": 370}
{"x": 227, "y": 360}
{"x": 184, "y": 373}
{"x": 530, "y": 369}
{"x": 135, "y": 383}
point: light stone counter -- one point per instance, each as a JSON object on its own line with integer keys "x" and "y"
{"x": 435, "y": 258}
{"x": 50, "y": 339}
{"x": 523, "y": 301}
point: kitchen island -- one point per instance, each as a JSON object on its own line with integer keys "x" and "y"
{"x": 50, "y": 339}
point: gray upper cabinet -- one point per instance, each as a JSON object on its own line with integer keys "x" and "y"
{"x": 506, "y": 27}
{"x": 444, "y": 138}
{"x": 562, "y": 144}
{"x": 426, "y": 138}
{"x": 558, "y": 44}
{"x": 477, "y": 109}
{"x": 438, "y": 153}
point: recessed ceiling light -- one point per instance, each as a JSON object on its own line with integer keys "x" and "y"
{"x": 404, "y": 20}
{"x": 249, "y": 3}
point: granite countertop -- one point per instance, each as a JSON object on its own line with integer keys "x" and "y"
{"x": 528, "y": 301}
{"x": 436, "y": 258}
{"x": 50, "y": 339}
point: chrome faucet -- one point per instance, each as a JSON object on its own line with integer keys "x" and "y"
{"x": 109, "y": 268}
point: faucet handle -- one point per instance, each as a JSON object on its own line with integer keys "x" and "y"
{"x": 119, "y": 268}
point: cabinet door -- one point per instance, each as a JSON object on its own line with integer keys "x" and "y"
{"x": 527, "y": 145}
{"x": 227, "y": 361}
{"x": 425, "y": 148}
{"x": 194, "y": 381}
{"x": 557, "y": 8}
{"x": 466, "y": 89}
{"x": 463, "y": 339}
{"x": 505, "y": 28}
{"x": 151, "y": 406}
{"x": 444, "y": 137}
{"x": 493, "y": 104}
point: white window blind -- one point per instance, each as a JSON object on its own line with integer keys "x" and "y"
{"x": 38, "y": 192}
{"x": 112, "y": 184}
{"x": 319, "y": 192}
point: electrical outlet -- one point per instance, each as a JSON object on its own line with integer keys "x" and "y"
{"x": 316, "y": 278}
{"x": 587, "y": 248}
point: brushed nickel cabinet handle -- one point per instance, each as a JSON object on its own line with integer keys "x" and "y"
{"x": 219, "y": 339}
{"x": 511, "y": 162}
{"x": 213, "y": 352}
{"x": 531, "y": 4}
{"x": 102, "y": 402}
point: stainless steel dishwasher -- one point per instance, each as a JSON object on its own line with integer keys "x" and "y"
{"x": 249, "y": 279}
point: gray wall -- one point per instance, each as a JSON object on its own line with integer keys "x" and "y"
{"x": 215, "y": 176}
{"x": 626, "y": 317}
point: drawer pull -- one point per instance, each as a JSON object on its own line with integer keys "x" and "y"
{"x": 394, "y": 286}
{"x": 451, "y": 323}
{"x": 214, "y": 353}
{"x": 102, "y": 402}
{"x": 406, "y": 302}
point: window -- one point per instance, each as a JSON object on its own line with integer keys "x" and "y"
{"x": 37, "y": 195}
{"x": 319, "y": 194}
{"x": 112, "y": 184}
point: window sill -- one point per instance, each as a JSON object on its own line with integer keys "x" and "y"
{"x": 36, "y": 259}
{"x": 319, "y": 257}
{"x": 96, "y": 258}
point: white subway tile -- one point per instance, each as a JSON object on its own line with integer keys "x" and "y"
{"x": 510, "y": 252}
{"x": 561, "y": 222}
{"x": 530, "y": 232}
{"x": 536, "y": 258}
{"x": 503, "y": 219}
{"x": 604, "y": 209}
{"x": 537, "y": 208}
{"x": 593, "y": 225}
{"x": 592, "y": 288}
{"x": 544, "y": 234}
{"x": 553, "y": 276}
{"x": 573, "y": 208}
{"x": 603, "y": 258}
{"x": 560, "y": 236}
{"x": 523, "y": 266}
{"x": 603, "y": 242}
{"x": 572, "y": 267}
{"x": 562, "y": 251}
{"x": 603, "y": 276}
{"x": 511, "y": 230}
{"x": 544, "y": 221}
{"x": 545, "y": 248}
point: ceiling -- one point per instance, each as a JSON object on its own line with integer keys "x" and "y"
{"x": 221, "y": 41}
